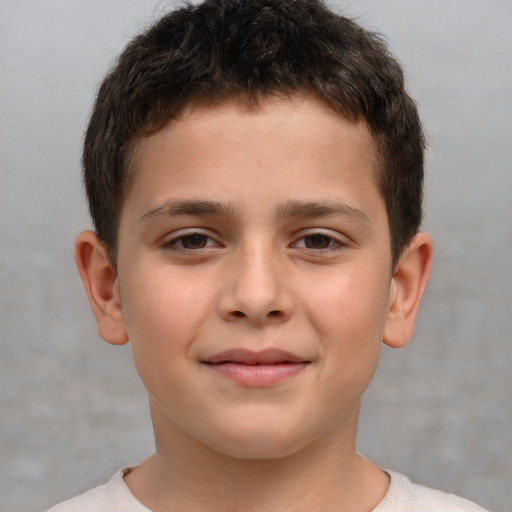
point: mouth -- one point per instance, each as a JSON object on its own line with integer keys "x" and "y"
{"x": 256, "y": 368}
{"x": 269, "y": 356}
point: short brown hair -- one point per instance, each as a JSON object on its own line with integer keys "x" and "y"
{"x": 254, "y": 48}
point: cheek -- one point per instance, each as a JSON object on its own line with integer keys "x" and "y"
{"x": 349, "y": 302}
{"x": 163, "y": 310}
{"x": 348, "y": 315}
{"x": 162, "y": 326}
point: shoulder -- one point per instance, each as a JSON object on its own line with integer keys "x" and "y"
{"x": 111, "y": 497}
{"x": 404, "y": 496}
{"x": 95, "y": 500}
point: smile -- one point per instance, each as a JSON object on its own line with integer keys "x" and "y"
{"x": 256, "y": 368}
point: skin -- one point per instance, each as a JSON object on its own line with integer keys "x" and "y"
{"x": 256, "y": 229}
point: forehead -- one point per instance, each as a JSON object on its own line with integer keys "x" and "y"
{"x": 237, "y": 146}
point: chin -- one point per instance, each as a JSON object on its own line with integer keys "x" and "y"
{"x": 257, "y": 451}
{"x": 261, "y": 444}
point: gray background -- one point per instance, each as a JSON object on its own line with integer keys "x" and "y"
{"x": 72, "y": 409}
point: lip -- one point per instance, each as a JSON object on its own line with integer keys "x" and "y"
{"x": 256, "y": 368}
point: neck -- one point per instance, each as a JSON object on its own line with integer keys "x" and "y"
{"x": 186, "y": 475}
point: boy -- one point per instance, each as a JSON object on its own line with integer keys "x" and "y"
{"x": 254, "y": 173}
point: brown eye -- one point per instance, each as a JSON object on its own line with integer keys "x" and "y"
{"x": 317, "y": 241}
{"x": 194, "y": 241}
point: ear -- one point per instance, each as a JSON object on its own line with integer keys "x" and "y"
{"x": 407, "y": 287}
{"x": 102, "y": 287}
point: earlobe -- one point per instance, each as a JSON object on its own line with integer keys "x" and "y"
{"x": 407, "y": 287}
{"x": 102, "y": 287}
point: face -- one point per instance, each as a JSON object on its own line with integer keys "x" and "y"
{"x": 254, "y": 274}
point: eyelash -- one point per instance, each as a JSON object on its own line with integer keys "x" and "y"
{"x": 178, "y": 242}
{"x": 332, "y": 243}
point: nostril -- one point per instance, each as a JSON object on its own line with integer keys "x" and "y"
{"x": 238, "y": 314}
{"x": 274, "y": 313}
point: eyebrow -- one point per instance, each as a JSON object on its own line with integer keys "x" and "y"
{"x": 294, "y": 208}
{"x": 322, "y": 209}
{"x": 186, "y": 207}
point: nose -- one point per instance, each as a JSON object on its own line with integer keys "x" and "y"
{"x": 255, "y": 289}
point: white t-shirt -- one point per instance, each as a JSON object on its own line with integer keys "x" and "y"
{"x": 402, "y": 496}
